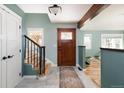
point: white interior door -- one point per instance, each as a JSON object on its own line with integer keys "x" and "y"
{"x": 3, "y": 47}
{"x": 0, "y": 50}
{"x": 13, "y": 46}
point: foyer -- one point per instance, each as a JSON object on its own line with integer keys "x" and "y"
{"x": 53, "y": 80}
{"x": 81, "y": 46}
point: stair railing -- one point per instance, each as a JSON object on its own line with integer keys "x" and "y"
{"x": 35, "y": 55}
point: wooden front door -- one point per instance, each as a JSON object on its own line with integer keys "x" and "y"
{"x": 66, "y": 47}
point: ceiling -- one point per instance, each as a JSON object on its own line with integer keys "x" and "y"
{"x": 112, "y": 18}
{"x": 71, "y": 13}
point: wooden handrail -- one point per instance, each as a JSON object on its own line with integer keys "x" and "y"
{"x": 33, "y": 41}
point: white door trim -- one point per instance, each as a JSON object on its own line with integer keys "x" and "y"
{"x": 3, "y": 7}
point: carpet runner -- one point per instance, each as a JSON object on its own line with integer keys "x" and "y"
{"x": 69, "y": 78}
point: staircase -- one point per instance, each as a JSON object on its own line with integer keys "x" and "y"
{"x": 35, "y": 55}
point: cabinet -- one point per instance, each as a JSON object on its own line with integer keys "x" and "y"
{"x": 10, "y": 42}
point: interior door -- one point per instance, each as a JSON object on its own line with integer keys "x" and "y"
{"x": 3, "y": 58}
{"x": 0, "y": 50}
{"x": 66, "y": 47}
{"x": 13, "y": 46}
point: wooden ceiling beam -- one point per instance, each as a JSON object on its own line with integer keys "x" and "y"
{"x": 91, "y": 13}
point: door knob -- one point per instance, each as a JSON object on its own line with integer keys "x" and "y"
{"x": 4, "y": 58}
{"x": 10, "y": 56}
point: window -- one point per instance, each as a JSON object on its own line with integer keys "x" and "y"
{"x": 112, "y": 41}
{"x": 87, "y": 41}
{"x": 66, "y": 35}
{"x": 36, "y": 34}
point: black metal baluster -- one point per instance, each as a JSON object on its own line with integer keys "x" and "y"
{"x": 40, "y": 60}
{"x": 34, "y": 57}
{"x": 28, "y": 51}
{"x": 25, "y": 49}
{"x": 37, "y": 56}
{"x": 44, "y": 60}
{"x": 31, "y": 52}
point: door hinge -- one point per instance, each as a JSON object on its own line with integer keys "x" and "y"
{"x": 19, "y": 26}
{"x": 20, "y": 74}
{"x": 20, "y": 50}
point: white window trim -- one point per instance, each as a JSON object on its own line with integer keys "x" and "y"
{"x": 38, "y": 30}
{"x": 89, "y": 35}
{"x": 111, "y": 36}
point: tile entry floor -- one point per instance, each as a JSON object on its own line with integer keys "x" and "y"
{"x": 52, "y": 80}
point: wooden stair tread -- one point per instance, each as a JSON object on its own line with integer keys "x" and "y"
{"x": 47, "y": 67}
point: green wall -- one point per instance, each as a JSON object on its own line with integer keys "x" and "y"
{"x": 30, "y": 20}
{"x": 15, "y": 9}
{"x": 96, "y": 40}
{"x": 50, "y": 32}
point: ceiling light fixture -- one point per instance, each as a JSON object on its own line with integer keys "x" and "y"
{"x": 55, "y": 9}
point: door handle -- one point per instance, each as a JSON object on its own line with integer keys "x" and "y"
{"x": 10, "y": 56}
{"x": 4, "y": 58}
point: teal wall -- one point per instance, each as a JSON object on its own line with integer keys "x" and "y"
{"x": 112, "y": 67}
{"x": 15, "y": 9}
{"x": 50, "y": 32}
{"x": 96, "y": 40}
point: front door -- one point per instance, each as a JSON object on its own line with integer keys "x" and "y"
{"x": 66, "y": 47}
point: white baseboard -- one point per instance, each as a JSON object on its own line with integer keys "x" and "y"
{"x": 30, "y": 76}
{"x": 54, "y": 65}
{"x": 49, "y": 61}
{"x": 77, "y": 65}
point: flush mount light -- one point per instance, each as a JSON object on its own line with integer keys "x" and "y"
{"x": 55, "y": 9}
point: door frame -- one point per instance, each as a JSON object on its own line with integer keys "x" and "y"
{"x": 6, "y": 9}
{"x": 58, "y": 43}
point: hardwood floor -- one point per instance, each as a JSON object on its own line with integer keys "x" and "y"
{"x": 93, "y": 71}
